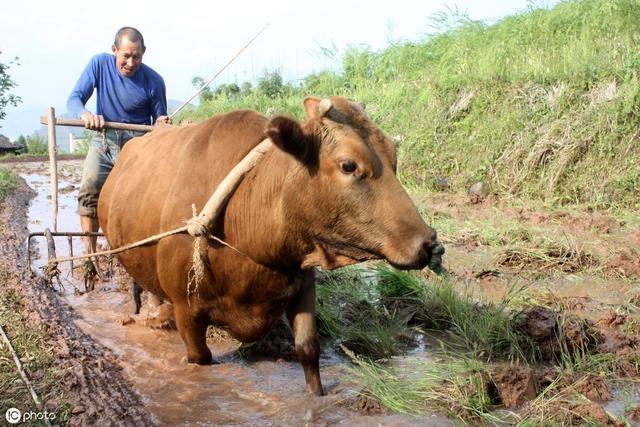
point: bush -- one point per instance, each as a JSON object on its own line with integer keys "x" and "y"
{"x": 8, "y": 182}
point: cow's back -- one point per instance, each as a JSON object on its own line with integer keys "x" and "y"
{"x": 160, "y": 175}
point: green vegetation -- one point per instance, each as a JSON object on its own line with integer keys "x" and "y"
{"x": 6, "y": 85}
{"x": 375, "y": 313}
{"x": 484, "y": 330}
{"x": 29, "y": 343}
{"x": 543, "y": 105}
{"x": 349, "y": 312}
{"x": 477, "y": 343}
{"x": 8, "y": 182}
{"x": 35, "y": 144}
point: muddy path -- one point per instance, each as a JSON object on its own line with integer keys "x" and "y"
{"x": 93, "y": 379}
{"x": 149, "y": 364}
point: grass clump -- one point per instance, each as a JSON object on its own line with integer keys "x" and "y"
{"x": 552, "y": 257}
{"x": 486, "y": 330}
{"x": 459, "y": 388}
{"x": 348, "y": 311}
{"x": 8, "y": 182}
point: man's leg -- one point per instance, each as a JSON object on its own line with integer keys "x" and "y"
{"x": 94, "y": 174}
{"x": 97, "y": 166}
{"x": 89, "y": 224}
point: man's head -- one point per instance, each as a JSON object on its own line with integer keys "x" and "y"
{"x": 128, "y": 47}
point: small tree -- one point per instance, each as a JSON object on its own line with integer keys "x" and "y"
{"x": 271, "y": 85}
{"x": 82, "y": 147}
{"x": 6, "y": 84}
{"x": 206, "y": 94}
{"x": 36, "y": 144}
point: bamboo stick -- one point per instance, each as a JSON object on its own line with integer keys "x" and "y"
{"x": 22, "y": 372}
{"x": 208, "y": 82}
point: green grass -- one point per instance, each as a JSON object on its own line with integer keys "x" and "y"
{"x": 348, "y": 312}
{"x": 483, "y": 330}
{"x": 8, "y": 182}
{"x": 458, "y": 388}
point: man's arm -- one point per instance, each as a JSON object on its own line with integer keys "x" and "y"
{"x": 159, "y": 103}
{"x": 81, "y": 94}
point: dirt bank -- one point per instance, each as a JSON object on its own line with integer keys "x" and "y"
{"x": 91, "y": 379}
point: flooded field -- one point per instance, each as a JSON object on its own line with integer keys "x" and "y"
{"x": 234, "y": 392}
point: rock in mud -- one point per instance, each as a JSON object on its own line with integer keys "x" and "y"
{"x": 540, "y": 323}
{"x": 478, "y": 193}
{"x": 515, "y": 385}
{"x": 365, "y": 405}
{"x": 443, "y": 184}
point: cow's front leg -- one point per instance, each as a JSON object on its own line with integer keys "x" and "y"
{"x": 193, "y": 330}
{"x": 302, "y": 318}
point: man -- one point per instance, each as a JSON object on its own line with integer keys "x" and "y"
{"x": 128, "y": 91}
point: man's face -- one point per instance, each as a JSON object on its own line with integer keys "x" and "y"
{"x": 128, "y": 56}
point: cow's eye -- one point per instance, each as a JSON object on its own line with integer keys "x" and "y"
{"x": 348, "y": 166}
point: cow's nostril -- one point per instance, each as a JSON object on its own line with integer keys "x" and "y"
{"x": 436, "y": 251}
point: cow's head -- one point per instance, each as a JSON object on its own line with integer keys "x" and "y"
{"x": 343, "y": 195}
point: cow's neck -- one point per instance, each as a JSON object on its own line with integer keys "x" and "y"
{"x": 257, "y": 222}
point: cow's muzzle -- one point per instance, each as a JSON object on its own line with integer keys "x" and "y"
{"x": 428, "y": 251}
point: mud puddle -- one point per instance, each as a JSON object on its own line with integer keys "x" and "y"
{"x": 234, "y": 392}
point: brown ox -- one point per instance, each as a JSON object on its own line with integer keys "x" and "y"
{"x": 326, "y": 195}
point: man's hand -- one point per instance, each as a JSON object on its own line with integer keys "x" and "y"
{"x": 92, "y": 121}
{"x": 163, "y": 120}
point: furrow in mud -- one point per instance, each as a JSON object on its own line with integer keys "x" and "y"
{"x": 93, "y": 381}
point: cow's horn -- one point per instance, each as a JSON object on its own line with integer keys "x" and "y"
{"x": 324, "y": 107}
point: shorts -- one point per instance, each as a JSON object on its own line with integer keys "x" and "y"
{"x": 101, "y": 158}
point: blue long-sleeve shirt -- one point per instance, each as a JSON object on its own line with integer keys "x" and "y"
{"x": 135, "y": 99}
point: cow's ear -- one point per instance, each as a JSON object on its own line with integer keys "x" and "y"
{"x": 315, "y": 108}
{"x": 287, "y": 134}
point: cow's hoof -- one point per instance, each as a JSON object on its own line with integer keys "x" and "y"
{"x": 202, "y": 359}
{"x": 135, "y": 307}
{"x": 316, "y": 391}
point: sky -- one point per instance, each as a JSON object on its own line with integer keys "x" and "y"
{"x": 55, "y": 40}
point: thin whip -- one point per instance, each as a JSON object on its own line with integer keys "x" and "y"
{"x": 217, "y": 74}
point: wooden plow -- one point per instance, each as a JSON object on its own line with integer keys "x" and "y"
{"x": 198, "y": 226}
{"x": 51, "y": 271}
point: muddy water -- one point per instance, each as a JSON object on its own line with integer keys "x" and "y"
{"x": 234, "y": 392}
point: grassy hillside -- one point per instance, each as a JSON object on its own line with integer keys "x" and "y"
{"x": 542, "y": 105}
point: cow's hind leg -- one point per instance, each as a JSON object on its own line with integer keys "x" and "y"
{"x": 193, "y": 330}
{"x": 136, "y": 292}
{"x": 302, "y": 318}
